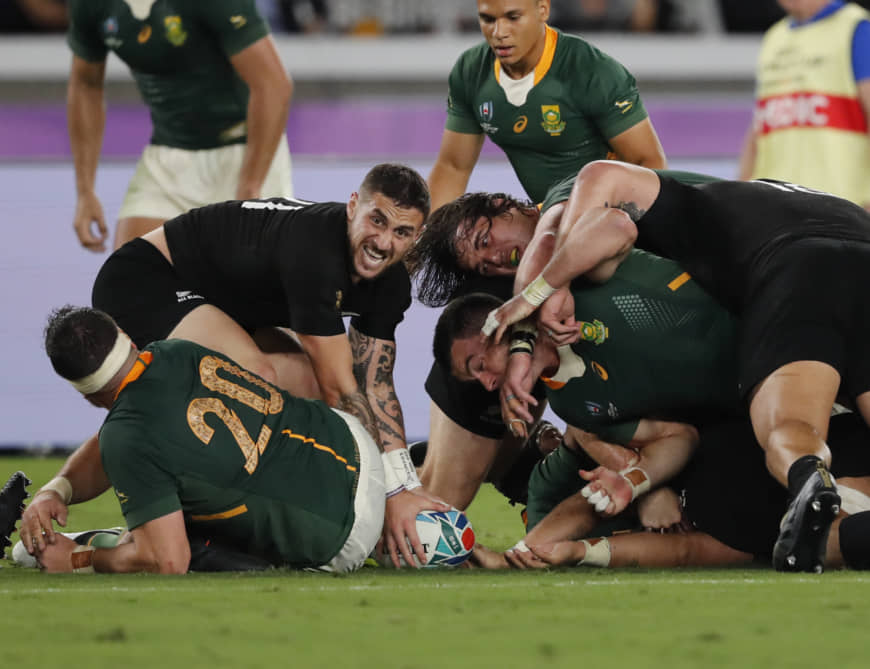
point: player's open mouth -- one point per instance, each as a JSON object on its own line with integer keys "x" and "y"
{"x": 502, "y": 51}
{"x": 514, "y": 257}
{"x": 374, "y": 255}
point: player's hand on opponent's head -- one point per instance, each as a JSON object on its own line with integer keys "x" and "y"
{"x": 89, "y": 213}
{"x": 400, "y": 525}
{"x": 499, "y": 320}
{"x": 36, "y": 529}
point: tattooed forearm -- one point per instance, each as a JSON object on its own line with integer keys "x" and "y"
{"x": 634, "y": 212}
{"x": 362, "y": 351}
{"x": 356, "y": 404}
{"x": 374, "y": 360}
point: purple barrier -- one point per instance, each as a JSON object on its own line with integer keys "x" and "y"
{"x": 383, "y": 127}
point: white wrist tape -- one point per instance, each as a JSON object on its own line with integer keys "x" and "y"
{"x": 59, "y": 485}
{"x": 597, "y": 553}
{"x": 537, "y": 291}
{"x": 598, "y": 499}
{"x": 491, "y": 324}
{"x": 520, "y": 546}
{"x": 392, "y": 485}
{"x": 638, "y": 480}
{"x": 82, "y": 560}
{"x": 406, "y": 472}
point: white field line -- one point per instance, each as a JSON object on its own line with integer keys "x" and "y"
{"x": 422, "y": 585}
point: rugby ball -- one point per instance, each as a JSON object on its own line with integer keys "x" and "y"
{"x": 447, "y": 538}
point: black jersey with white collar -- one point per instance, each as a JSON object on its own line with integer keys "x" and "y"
{"x": 282, "y": 262}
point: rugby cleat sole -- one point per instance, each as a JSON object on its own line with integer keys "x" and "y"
{"x": 12, "y": 498}
{"x": 803, "y": 532}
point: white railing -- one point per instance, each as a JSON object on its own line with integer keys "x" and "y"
{"x": 709, "y": 58}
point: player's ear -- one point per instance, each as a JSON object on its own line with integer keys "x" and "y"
{"x": 544, "y": 10}
{"x": 352, "y": 205}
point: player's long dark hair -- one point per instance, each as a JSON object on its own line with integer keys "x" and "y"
{"x": 78, "y": 339}
{"x": 399, "y": 183}
{"x": 434, "y": 258}
{"x": 461, "y": 318}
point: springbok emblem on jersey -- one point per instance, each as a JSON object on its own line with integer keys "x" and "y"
{"x": 175, "y": 33}
{"x": 552, "y": 123}
{"x": 596, "y": 331}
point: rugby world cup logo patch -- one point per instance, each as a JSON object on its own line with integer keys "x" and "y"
{"x": 485, "y": 110}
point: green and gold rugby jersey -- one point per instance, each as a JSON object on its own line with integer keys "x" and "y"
{"x": 249, "y": 465}
{"x": 561, "y": 190}
{"x": 581, "y": 98}
{"x": 654, "y": 345}
{"x": 178, "y": 52}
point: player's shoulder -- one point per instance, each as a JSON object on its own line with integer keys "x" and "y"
{"x": 77, "y": 9}
{"x": 313, "y": 224}
{"x": 478, "y": 58}
{"x": 573, "y": 47}
{"x": 573, "y": 54}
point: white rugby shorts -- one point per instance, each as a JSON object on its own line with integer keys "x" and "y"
{"x": 368, "y": 505}
{"x": 170, "y": 181}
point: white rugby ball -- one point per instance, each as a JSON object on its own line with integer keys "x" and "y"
{"x": 447, "y": 538}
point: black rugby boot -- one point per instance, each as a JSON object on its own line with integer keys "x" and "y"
{"x": 803, "y": 532}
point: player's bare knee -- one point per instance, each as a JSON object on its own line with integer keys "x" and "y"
{"x": 795, "y": 436}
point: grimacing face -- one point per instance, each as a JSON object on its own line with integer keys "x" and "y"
{"x": 476, "y": 359}
{"x": 495, "y": 247}
{"x": 380, "y": 232}
{"x": 515, "y": 31}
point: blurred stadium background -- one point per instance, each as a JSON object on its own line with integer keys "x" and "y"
{"x": 370, "y": 80}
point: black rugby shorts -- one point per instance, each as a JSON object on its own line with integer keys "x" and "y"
{"x": 139, "y": 288}
{"x": 809, "y": 302}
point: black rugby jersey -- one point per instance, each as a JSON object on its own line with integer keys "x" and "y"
{"x": 281, "y": 262}
{"x": 724, "y": 232}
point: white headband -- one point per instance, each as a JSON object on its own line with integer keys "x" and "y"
{"x": 113, "y": 362}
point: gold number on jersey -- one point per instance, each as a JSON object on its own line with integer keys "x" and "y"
{"x": 198, "y": 408}
{"x": 208, "y": 373}
{"x": 196, "y": 412}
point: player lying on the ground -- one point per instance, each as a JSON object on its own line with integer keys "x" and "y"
{"x": 477, "y": 234}
{"x": 709, "y": 517}
{"x": 653, "y": 344}
{"x": 229, "y": 275}
{"x": 196, "y": 445}
{"x": 772, "y": 253}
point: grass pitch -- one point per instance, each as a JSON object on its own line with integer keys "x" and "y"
{"x": 436, "y": 618}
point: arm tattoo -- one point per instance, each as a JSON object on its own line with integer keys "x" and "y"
{"x": 357, "y": 405}
{"x": 373, "y": 369}
{"x": 634, "y": 212}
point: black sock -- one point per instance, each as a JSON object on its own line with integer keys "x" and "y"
{"x": 800, "y": 470}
